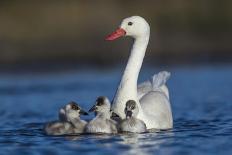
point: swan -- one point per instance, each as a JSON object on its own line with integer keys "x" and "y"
{"x": 152, "y": 96}
{"x": 102, "y": 123}
{"x": 131, "y": 123}
{"x": 70, "y": 122}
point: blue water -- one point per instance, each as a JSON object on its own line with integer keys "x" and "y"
{"x": 201, "y": 99}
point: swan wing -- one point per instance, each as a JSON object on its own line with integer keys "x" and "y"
{"x": 157, "y": 108}
{"x": 156, "y": 83}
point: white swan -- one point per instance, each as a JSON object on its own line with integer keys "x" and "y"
{"x": 152, "y": 96}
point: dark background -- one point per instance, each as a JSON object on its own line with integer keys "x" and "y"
{"x": 68, "y": 32}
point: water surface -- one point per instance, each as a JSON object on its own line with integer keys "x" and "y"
{"x": 200, "y": 97}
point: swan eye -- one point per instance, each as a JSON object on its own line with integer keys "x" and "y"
{"x": 130, "y": 23}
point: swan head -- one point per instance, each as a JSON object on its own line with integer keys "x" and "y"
{"x": 134, "y": 26}
{"x": 102, "y": 105}
{"x": 73, "y": 110}
{"x": 131, "y": 109}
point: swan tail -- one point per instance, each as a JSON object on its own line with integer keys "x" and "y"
{"x": 156, "y": 83}
{"x": 160, "y": 79}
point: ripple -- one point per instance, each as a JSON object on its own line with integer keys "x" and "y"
{"x": 201, "y": 108}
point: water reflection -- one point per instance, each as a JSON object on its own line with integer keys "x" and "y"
{"x": 143, "y": 143}
{"x": 130, "y": 138}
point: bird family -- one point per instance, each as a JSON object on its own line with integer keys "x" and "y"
{"x": 139, "y": 106}
{"x": 104, "y": 121}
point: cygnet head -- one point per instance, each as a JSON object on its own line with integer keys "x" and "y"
{"x": 73, "y": 110}
{"x": 101, "y": 105}
{"x": 131, "y": 109}
{"x": 134, "y": 26}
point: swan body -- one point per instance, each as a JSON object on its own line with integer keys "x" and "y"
{"x": 152, "y": 96}
{"x": 131, "y": 123}
{"x": 69, "y": 123}
{"x": 102, "y": 123}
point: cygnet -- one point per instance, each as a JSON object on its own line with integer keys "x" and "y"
{"x": 71, "y": 122}
{"x": 131, "y": 123}
{"x": 102, "y": 123}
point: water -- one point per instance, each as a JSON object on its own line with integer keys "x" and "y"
{"x": 201, "y": 102}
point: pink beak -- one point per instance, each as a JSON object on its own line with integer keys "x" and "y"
{"x": 118, "y": 33}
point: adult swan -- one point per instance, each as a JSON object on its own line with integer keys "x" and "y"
{"x": 152, "y": 96}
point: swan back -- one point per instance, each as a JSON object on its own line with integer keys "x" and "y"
{"x": 156, "y": 83}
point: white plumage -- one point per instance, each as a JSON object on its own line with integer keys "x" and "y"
{"x": 152, "y": 96}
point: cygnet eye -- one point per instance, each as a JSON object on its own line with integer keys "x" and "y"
{"x": 99, "y": 103}
{"x": 74, "y": 107}
{"x": 130, "y": 23}
{"x": 133, "y": 107}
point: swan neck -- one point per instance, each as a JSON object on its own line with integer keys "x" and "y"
{"x": 134, "y": 64}
{"x": 127, "y": 89}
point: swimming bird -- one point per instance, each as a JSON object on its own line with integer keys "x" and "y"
{"x": 131, "y": 123}
{"x": 71, "y": 123}
{"x": 152, "y": 96}
{"x": 102, "y": 123}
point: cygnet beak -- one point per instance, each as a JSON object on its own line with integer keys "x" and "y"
{"x": 94, "y": 108}
{"x": 82, "y": 112}
{"x": 128, "y": 113}
{"x": 113, "y": 114}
